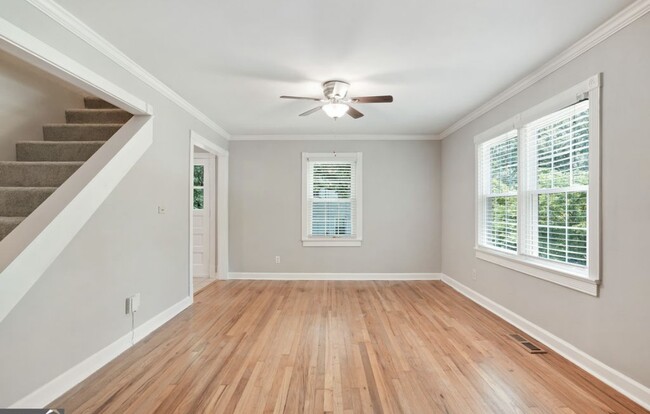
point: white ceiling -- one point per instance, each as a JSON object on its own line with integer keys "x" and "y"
{"x": 232, "y": 59}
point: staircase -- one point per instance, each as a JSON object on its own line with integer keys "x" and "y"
{"x": 42, "y": 166}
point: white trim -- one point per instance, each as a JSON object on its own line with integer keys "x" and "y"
{"x": 26, "y": 47}
{"x": 332, "y": 243}
{"x": 560, "y": 100}
{"x": 64, "y": 382}
{"x": 593, "y": 238}
{"x": 336, "y": 137}
{"x": 103, "y": 46}
{"x": 27, "y": 252}
{"x": 307, "y": 240}
{"x": 619, "y": 21}
{"x": 540, "y": 270}
{"x": 615, "y": 379}
{"x": 221, "y": 194}
{"x": 581, "y": 279}
{"x": 332, "y": 276}
{"x": 510, "y": 124}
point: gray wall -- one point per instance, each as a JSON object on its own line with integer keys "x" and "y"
{"x": 401, "y": 220}
{"x": 614, "y": 327}
{"x": 29, "y": 98}
{"x": 77, "y": 307}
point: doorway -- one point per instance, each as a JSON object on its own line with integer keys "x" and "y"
{"x": 208, "y": 213}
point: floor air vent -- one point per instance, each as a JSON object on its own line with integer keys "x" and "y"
{"x": 530, "y": 347}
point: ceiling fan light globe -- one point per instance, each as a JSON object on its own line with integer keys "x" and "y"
{"x": 335, "y": 110}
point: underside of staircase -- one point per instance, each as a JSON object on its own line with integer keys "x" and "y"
{"x": 42, "y": 166}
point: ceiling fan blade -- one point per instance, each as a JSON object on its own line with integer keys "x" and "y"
{"x": 300, "y": 97}
{"x": 354, "y": 113}
{"x": 311, "y": 111}
{"x": 373, "y": 99}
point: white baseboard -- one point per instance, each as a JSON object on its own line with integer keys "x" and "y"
{"x": 622, "y": 383}
{"x": 333, "y": 276}
{"x": 64, "y": 382}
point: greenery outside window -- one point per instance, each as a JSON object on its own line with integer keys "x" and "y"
{"x": 538, "y": 190}
{"x": 331, "y": 202}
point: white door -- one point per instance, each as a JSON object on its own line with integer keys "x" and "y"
{"x": 202, "y": 220}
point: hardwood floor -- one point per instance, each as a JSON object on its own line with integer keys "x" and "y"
{"x": 342, "y": 347}
{"x": 201, "y": 283}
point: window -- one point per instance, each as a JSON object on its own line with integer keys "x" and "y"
{"x": 499, "y": 159}
{"x": 199, "y": 188}
{"x": 537, "y": 190}
{"x": 557, "y": 148}
{"x": 331, "y": 202}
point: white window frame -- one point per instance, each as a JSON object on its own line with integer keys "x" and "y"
{"x": 311, "y": 241}
{"x": 583, "y": 279}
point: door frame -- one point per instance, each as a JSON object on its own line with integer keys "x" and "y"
{"x": 220, "y": 192}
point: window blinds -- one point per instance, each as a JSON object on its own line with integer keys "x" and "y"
{"x": 498, "y": 172}
{"x": 332, "y": 198}
{"x": 557, "y": 159}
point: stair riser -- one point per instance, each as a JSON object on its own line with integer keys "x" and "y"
{"x": 6, "y": 228}
{"x": 97, "y": 117}
{"x": 96, "y": 103}
{"x": 21, "y": 203}
{"x": 79, "y": 132}
{"x": 35, "y": 175}
{"x": 56, "y": 151}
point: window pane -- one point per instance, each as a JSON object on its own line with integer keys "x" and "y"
{"x": 557, "y": 209}
{"x": 577, "y": 240}
{"x": 198, "y": 199}
{"x": 558, "y": 149}
{"x": 562, "y": 227}
{"x": 577, "y": 209}
{"x": 501, "y": 222}
{"x": 332, "y": 180}
{"x": 331, "y": 218}
{"x": 503, "y": 166}
{"x": 560, "y": 144}
{"x": 580, "y": 149}
{"x": 542, "y": 209}
{"x": 198, "y": 175}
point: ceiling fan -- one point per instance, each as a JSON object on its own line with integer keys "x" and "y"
{"x": 336, "y": 102}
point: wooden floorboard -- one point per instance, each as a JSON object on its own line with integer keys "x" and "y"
{"x": 339, "y": 347}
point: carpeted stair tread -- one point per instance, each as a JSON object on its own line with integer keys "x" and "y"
{"x": 56, "y": 150}
{"x": 21, "y": 201}
{"x": 36, "y": 173}
{"x": 42, "y": 166}
{"x": 7, "y": 224}
{"x": 90, "y": 102}
{"x": 79, "y": 132}
{"x": 96, "y": 116}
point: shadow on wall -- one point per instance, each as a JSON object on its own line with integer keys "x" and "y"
{"x": 30, "y": 98}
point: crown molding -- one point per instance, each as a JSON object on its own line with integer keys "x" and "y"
{"x": 619, "y": 21}
{"x": 103, "y": 46}
{"x": 336, "y": 137}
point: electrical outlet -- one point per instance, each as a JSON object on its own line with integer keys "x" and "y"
{"x": 473, "y": 274}
{"x": 132, "y": 304}
{"x": 277, "y": 259}
{"x": 135, "y": 303}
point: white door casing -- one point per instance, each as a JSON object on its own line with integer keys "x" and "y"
{"x": 220, "y": 204}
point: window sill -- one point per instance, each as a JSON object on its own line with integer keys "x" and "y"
{"x": 536, "y": 269}
{"x": 331, "y": 243}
